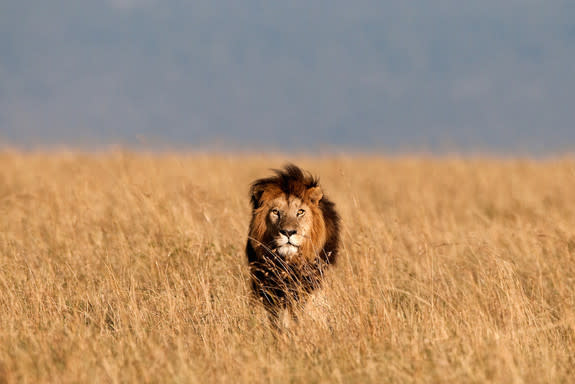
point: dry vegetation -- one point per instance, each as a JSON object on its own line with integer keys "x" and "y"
{"x": 127, "y": 268}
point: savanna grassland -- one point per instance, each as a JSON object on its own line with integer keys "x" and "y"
{"x": 129, "y": 268}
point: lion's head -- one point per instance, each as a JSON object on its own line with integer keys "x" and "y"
{"x": 291, "y": 217}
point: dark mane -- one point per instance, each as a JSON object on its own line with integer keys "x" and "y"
{"x": 291, "y": 180}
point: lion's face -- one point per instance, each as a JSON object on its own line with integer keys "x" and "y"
{"x": 289, "y": 224}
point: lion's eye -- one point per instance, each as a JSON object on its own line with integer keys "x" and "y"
{"x": 275, "y": 212}
{"x": 300, "y": 212}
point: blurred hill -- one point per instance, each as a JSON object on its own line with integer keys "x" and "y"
{"x": 490, "y": 75}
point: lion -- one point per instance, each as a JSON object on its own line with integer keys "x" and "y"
{"x": 293, "y": 237}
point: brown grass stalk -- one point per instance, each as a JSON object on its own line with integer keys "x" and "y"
{"x": 123, "y": 267}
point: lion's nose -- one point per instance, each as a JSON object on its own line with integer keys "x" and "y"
{"x": 288, "y": 233}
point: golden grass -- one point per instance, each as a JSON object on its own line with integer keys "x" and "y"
{"x": 125, "y": 268}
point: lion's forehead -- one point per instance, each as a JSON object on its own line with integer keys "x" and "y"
{"x": 287, "y": 202}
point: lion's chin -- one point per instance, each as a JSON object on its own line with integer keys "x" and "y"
{"x": 287, "y": 250}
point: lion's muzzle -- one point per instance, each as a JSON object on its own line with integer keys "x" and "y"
{"x": 288, "y": 243}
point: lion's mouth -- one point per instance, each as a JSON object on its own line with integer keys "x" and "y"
{"x": 289, "y": 242}
{"x": 284, "y": 240}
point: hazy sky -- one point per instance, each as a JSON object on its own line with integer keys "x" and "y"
{"x": 495, "y": 75}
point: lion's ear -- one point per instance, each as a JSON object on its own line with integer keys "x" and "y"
{"x": 315, "y": 194}
{"x": 256, "y": 192}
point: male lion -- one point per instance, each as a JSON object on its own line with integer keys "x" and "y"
{"x": 293, "y": 237}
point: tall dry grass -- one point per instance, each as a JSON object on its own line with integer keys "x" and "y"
{"x": 124, "y": 268}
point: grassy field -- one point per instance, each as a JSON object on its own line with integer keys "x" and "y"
{"x": 129, "y": 268}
